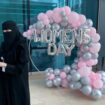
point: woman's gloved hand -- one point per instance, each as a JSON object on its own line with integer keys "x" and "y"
{"x": 3, "y": 64}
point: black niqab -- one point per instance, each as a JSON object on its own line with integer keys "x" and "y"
{"x": 10, "y": 37}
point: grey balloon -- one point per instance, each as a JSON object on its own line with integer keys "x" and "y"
{"x": 50, "y": 70}
{"x": 102, "y": 73}
{"x": 67, "y": 69}
{"x": 77, "y": 85}
{"x": 103, "y": 89}
{"x": 48, "y": 26}
{"x": 57, "y": 72}
{"x": 87, "y": 56}
{"x": 71, "y": 85}
{"x": 31, "y": 27}
{"x": 76, "y": 60}
{"x": 86, "y": 48}
{"x": 85, "y": 80}
{"x": 55, "y": 27}
{"x": 76, "y": 77}
{"x": 39, "y": 25}
{"x": 69, "y": 77}
{"x": 103, "y": 79}
{"x": 65, "y": 18}
{"x": 89, "y": 22}
{"x": 57, "y": 82}
{"x": 74, "y": 66}
{"x": 47, "y": 70}
{"x": 63, "y": 13}
{"x": 86, "y": 90}
{"x": 96, "y": 94}
{"x": 49, "y": 83}
{"x": 73, "y": 71}
{"x": 47, "y": 74}
{"x": 95, "y": 56}
{"x": 63, "y": 23}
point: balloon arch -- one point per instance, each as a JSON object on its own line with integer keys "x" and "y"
{"x": 71, "y": 29}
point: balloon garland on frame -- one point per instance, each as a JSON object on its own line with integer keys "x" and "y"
{"x": 53, "y": 25}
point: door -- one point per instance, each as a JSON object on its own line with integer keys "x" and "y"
{"x": 101, "y": 30}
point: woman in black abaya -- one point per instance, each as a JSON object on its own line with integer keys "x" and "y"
{"x": 14, "y": 86}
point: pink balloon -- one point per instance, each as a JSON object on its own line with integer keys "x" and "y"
{"x": 82, "y": 19}
{"x": 57, "y": 10}
{"x": 42, "y": 16}
{"x": 56, "y": 17}
{"x": 29, "y": 32}
{"x": 67, "y": 10}
{"x": 64, "y": 83}
{"x": 92, "y": 31}
{"x": 85, "y": 71}
{"x": 95, "y": 47}
{"x": 74, "y": 17}
{"x": 91, "y": 62}
{"x": 81, "y": 64}
{"x": 98, "y": 84}
{"x": 63, "y": 75}
{"x": 51, "y": 77}
{"x": 94, "y": 76}
{"x": 49, "y": 13}
{"x": 95, "y": 37}
{"x": 46, "y": 22}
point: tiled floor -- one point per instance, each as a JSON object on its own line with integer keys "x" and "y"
{"x": 41, "y": 95}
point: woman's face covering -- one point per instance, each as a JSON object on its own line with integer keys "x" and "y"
{"x": 9, "y": 32}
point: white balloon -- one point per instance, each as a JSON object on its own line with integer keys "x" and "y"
{"x": 49, "y": 83}
{"x": 96, "y": 94}
{"x": 57, "y": 72}
{"x": 69, "y": 77}
{"x": 76, "y": 76}
{"x": 86, "y": 90}
{"x": 87, "y": 56}
{"x": 67, "y": 69}
{"x": 85, "y": 80}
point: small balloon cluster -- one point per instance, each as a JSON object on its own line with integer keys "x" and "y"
{"x": 79, "y": 75}
{"x": 92, "y": 85}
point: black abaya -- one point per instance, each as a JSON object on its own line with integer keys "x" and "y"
{"x": 14, "y": 86}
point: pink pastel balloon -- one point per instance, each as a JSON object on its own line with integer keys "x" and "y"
{"x": 82, "y": 19}
{"x": 95, "y": 37}
{"x": 73, "y": 18}
{"x": 92, "y": 31}
{"x": 51, "y": 77}
{"x": 94, "y": 76}
{"x": 91, "y": 62}
{"x": 62, "y": 9}
{"x": 64, "y": 83}
{"x": 67, "y": 10}
{"x": 95, "y": 47}
{"x": 42, "y": 16}
{"x": 98, "y": 84}
{"x": 84, "y": 71}
{"x": 29, "y": 32}
{"x": 25, "y": 34}
{"x": 56, "y": 17}
{"x": 63, "y": 75}
{"x": 56, "y": 10}
{"x": 49, "y": 13}
{"x": 46, "y": 22}
{"x": 81, "y": 64}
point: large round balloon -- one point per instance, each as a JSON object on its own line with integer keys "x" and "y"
{"x": 60, "y": 23}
